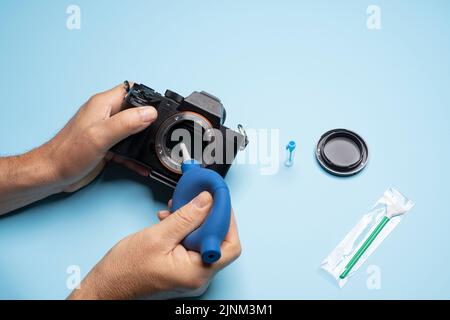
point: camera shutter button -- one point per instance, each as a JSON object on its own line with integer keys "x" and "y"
{"x": 174, "y": 96}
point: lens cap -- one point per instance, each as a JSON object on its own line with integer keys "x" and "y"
{"x": 342, "y": 152}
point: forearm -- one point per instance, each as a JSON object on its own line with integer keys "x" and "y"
{"x": 26, "y": 178}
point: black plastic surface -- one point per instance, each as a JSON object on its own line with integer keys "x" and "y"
{"x": 342, "y": 152}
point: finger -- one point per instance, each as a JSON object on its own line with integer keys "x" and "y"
{"x": 174, "y": 228}
{"x": 169, "y": 204}
{"x": 231, "y": 246}
{"x": 124, "y": 124}
{"x": 109, "y": 156}
{"x": 115, "y": 97}
{"x": 133, "y": 166}
{"x": 196, "y": 259}
{"x": 163, "y": 214}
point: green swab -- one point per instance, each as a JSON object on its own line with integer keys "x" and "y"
{"x": 369, "y": 241}
{"x": 364, "y": 247}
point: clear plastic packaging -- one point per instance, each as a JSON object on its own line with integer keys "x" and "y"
{"x": 366, "y": 236}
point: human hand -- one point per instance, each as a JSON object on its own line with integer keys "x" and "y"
{"x": 152, "y": 263}
{"x": 76, "y": 155}
{"x": 79, "y": 151}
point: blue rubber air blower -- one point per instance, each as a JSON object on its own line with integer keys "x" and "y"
{"x": 195, "y": 179}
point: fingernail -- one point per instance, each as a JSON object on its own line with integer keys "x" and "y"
{"x": 201, "y": 201}
{"x": 147, "y": 114}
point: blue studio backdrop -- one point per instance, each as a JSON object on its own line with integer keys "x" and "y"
{"x": 301, "y": 67}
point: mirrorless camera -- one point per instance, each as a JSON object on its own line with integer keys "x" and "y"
{"x": 196, "y": 120}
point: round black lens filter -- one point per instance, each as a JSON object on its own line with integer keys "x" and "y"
{"x": 342, "y": 152}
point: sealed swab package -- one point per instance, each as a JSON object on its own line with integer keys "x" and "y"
{"x": 366, "y": 236}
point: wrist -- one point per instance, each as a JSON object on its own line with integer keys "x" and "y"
{"x": 26, "y": 178}
{"x": 31, "y": 174}
{"x": 88, "y": 289}
{"x": 102, "y": 283}
{"x": 40, "y": 170}
{"x": 119, "y": 275}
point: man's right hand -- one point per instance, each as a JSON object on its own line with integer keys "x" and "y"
{"x": 152, "y": 263}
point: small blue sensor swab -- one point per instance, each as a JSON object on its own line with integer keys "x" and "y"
{"x": 290, "y": 154}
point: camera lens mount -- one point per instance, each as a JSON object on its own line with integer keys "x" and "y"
{"x": 172, "y": 160}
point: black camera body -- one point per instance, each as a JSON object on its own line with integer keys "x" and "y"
{"x": 196, "y": 120}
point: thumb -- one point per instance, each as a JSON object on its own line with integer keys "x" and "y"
{"x": 126, "y": 123}
{"x": 182, "y": 222}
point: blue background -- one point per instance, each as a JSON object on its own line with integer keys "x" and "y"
{"x": 302, "y": 67}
